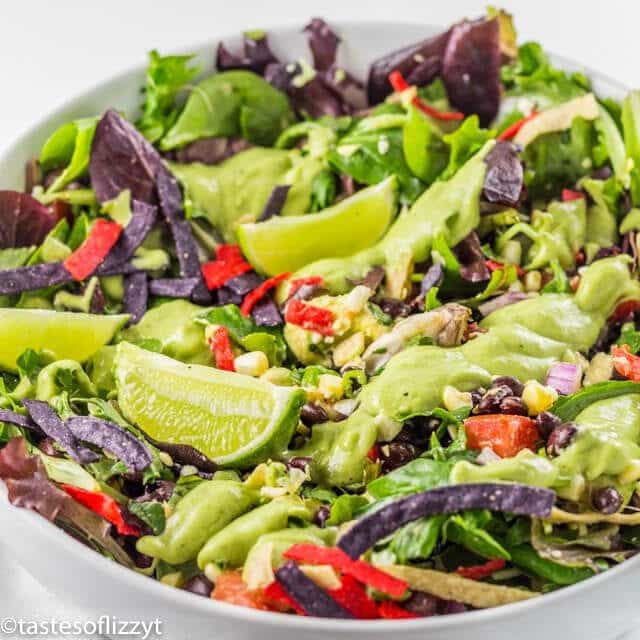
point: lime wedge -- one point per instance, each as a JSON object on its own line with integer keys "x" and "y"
{"x": 288, "y": 243}
{"x": 73, "y": 336}
{"x": 235, "y": 420}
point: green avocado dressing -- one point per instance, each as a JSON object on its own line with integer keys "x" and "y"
{"x": 237, "y": 189}
{"x": 523, "y": 340}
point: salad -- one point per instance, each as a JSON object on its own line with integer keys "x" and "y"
{"x": 311, "y": 345}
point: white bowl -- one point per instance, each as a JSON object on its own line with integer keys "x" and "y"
{"x": 598, "y": 609}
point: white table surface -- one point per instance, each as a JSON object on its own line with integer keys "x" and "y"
{"x": 53, "y": 49}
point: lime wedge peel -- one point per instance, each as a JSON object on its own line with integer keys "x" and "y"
{"x": 235, "y": 420}
{"x": 289, "y": 243}
{"x": 73, "y": 336}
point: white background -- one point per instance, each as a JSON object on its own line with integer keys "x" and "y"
{"x": 53, "y": 49}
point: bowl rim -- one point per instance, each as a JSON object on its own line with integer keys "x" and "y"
{"x": 170, "y": 595}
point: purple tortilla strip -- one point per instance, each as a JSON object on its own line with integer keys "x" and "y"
{"x": 136, "y": 295}
{"x": 18, "y": 420}
{"x": 511, "y": 498}
{"x": 313, "y": 599}
{"x": 245, "y": 282}
{"x": 143, "y": 217}
{"x": 275, "y": 202}
{"x": 111, "y": 438}
{"x": 224, "y": 295}
{"x": 173, "y": 287}
{"x": 265, "y": 313}
{"x": 504, "y": 181}
{"x": 49, "y": 421}
{"x": 36, "y": 276}
{"x": 471, "y": 68}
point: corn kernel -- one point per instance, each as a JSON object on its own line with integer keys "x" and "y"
{"x": 538, "y": 397}
{"x": 209, "y": 330}
{"x": 454, "y": 399}
{"x": 600, "y": 369}
{"x": 253, "y": 363}
{"x": 330, "y": 387}
{"x": 533, "y": 281}
{"x": 348, "y": 349}
{"x": 278, "y": 375}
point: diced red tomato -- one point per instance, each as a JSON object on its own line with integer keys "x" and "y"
{"x": 221, "y": 348}
{"x": 480, "y": 571}
{"x": 231, "y": 588}
{"x": 228, "y": 264}
{"x": 105, "y": 506}
{"x": 510, "y": 132}
{"x": 310, "y": 317}
{"x": 399, "y": 84}
{"x": 90, "y": 254}
{"x": 253, "y": 297}
{"x": 296, "y": 283}
{"x": 507, "y": 435}
{"x": 569, "y": 194}
{"x": 625, "y": 363}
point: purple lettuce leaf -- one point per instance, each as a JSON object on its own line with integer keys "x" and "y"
{"x": 37, "y": 276}
{"x": 23, "y": 220}
{"x": 504, "y": 181}
{"x": 323, "y": 42}
{"x": 276, "y": 201}
{"x": 265, "y": 313}
{"x": 256, "y": 55}
{"x": 504, "y": 300}
{"x": 345, "y": 85}
{"x": 173, "y": 287}
{"x": 420, "y": 63}
{"x": 210, "y": 151}
{"x": 473, "y": 266}
{"x": 111, "y": 438}
{"x": 136, "y": 296}
{"x": 143, "y": 217}
{"x": 49, "y": 421}
{"x": 471, "y": 68}
{"x": 432, "y": 278}
{"x": 313, "y": 599}
{"x": 518, "y": 499}
{"x": 27, "y": 482}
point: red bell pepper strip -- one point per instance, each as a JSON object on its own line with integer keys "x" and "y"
{"x": 494, "y": 265}
{"x": 296, "y": 283}
{"x": 392, "y": 611}
{"x": 511, "y": 131}
{"x": 276, "y": 597}
{"x": 221, "y": 348}
{"x": 228, "y": 264}
{"x": 624, "y": 310}
{"x": 91, "y": 253}
{"x": 358, "y": 569}
{"x": 104, "y": 506}
{"x": 253, "y": 297}
{"x": 569, "y": 194}
{"x": 310, "y": 317}
{"x": 374, "y": 453}
{"x": 354, "y": 598}
{"x": 480, "y": 571}
{"x": 625, "y": 363}
{"x": 507, "y": 435}
{"x": 399, "y": 84}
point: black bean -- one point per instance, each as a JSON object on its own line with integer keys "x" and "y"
{"x": 560, "y": 438}
{"x": 606, "y": 500}
{"x": 397, "y": 455}
{"x": 513, "y": 405}
{"x": 200, "y": 585}
{"x": 422, "y": 604}
{"x": 452, "y": 606}
{"x": 490, "y": 401}
{"x": 394, "y": 307}
{"x": 322, "y": 515}
{"x": 508, "y": 381}
{"x": 300, "y": 463}
{"x": 547, "y": 422}
{"x": 476, "y": 396}
{"x": 160, "y": 491}
{"x": 635, "y": 500}
{"x": 312, "y": 413}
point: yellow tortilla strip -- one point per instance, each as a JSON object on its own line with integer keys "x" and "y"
{"x": 450, "y": 586}
{"x": 592, "y": 517}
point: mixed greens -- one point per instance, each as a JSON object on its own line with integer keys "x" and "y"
{"x": 308, "y": 345}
